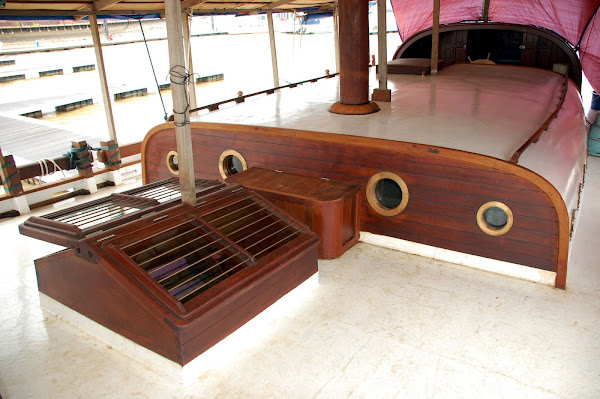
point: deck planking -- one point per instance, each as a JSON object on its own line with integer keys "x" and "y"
{"x": 29, "y": 140}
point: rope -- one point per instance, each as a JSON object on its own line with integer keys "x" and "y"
{"x": 153, "y": 72}
{"x": 8, "y": 179}
{"x": 177, "y": 77}
{"x": 75, "y": 161}
{"x": 113, "y": 156}
{"x": 46, "y": 170}
{"x": 7, "y": 165}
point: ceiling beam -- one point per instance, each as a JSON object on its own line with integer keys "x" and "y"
{"x": 279, "y": 3}
{"x": 100, "y": 5}
{"x": 73, "y": 13}
{"x": 186, "y": 5}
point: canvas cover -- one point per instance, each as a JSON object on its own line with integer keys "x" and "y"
{"x": 575, "y": 20}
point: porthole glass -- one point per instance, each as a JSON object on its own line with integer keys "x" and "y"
{"x": 495, "y": 218}
{"x": 173, "y": 162}
{"x": 231, "y": 162}
{"x": 387, "y": 193}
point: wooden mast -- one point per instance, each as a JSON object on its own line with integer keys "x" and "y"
{"x": 273, "y": 48}
{"x": 354, "y": 59}
{"x": 435, "y": 37}
{"x": 110, "y": 121}
{"x": 382, "y": 93}
{"x": 485, "y": 10}
{"x": 336, "y": 38}
{"x": 181, "y": 113}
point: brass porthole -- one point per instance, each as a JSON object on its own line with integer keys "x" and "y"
{"x": 495, "y": 218}
{"x": 231, "y": 162}
{"x": 387, "y": 193}
{"x": 173, "y": 162}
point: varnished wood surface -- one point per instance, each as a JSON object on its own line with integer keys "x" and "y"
{"x": 101, "y": 281}
{"x": 329, "y": 208}
{"x": 354, "y": 52}
{"x": 446, "y": 187}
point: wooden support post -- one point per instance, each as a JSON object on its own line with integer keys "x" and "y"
{"x": 435, "y": 37}
{"x": 84, "y": 157}
{"x": 11, "y": 180}
{"x": 382, "y": 93}
{"x": 110, "y": 121}
{"x": 181, "y": 113}
{"x": 110, "y": 155}
{"x": 187, "y": 20}
{"x": 354, "y": 59}
{"x": 273, "y": 48}
{"x": 485, "y": 15}
{"x": 336, "y": 38}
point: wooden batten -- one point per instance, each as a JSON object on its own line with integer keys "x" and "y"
{"x": 110, "y": 120}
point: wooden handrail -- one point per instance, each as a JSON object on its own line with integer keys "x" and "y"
{"x": 34, "y": 169}
{"x": 241, "y": 99}
{"x": 536, "y": 136}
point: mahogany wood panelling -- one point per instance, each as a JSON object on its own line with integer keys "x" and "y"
{"x": 446, "y": 187}
{"x": 102, "y": 294}
{"x": 328, "y": 208}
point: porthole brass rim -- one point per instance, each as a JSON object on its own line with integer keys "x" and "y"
{"x": 372, "y": 197}
{"x": 170, "y": 163}
{"x": 224, "y": 156}
{"x": 494, "y": 231}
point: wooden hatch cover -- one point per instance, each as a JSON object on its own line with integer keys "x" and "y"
{"x": 176, "y": 278}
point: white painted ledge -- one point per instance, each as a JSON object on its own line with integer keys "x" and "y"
{"x": 459, "y": 258}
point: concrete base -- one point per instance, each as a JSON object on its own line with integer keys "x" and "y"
{"x": 354, "y": 109}
{"x": 384, "y": 95}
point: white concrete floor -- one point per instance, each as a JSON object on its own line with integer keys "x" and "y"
{"x": 379, "y": 324}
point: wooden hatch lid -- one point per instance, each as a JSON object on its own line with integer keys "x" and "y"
{"x": 68, "y": 226}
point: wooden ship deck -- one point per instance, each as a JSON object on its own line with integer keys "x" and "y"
{"x": 471, "y": 160}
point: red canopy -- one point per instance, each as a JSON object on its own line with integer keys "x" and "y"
{"x": 574, "y": 20}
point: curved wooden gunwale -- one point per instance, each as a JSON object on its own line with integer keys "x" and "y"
{"x": 403, "y": 148}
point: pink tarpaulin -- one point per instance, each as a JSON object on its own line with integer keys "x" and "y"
{"x": 567, "y": 18}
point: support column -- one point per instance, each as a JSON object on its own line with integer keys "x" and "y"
{"x": 336, "y": 38}
{"x": 110, "y": 121}
{"x": 354, "y": 59}
{"x": 186, "y": 21}
{"x": 485, "y": 14}
{"x": 435, "y": 37}
{"x": 273, "y": 48}
{"x": 382, "y": 93}
{"x": 183, "y": 132}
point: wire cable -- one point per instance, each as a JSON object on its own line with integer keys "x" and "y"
{"x": 153, "y": 71}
